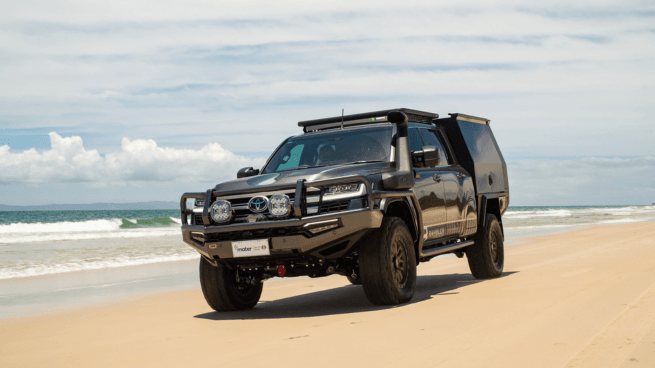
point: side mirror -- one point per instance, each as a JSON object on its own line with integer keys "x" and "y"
{"x": 417, "y": 159}
{"x": 427, "y": 157}
{"x": 246, "y": 172}
{"x": 431, "y": 156}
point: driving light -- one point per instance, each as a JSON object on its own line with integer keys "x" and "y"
{"x": 279, "y": 205}
{"x": 321, "y": 226}
{"x": 221, "y": 211}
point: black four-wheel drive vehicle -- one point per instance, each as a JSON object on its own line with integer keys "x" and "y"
{"x": 367, "y": 196}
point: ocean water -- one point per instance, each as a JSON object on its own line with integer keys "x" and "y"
{"x": 36, "y": 243}
{"x": 531, "y": 221}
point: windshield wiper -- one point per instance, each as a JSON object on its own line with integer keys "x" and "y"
{"x": 307, "y": 167}
{"x": 345, "y": 163}
{"x": 362, "y": 162}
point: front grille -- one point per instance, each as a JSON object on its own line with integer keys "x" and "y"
{"x": 242, "y": 213}
{"x": 335, "y": 206}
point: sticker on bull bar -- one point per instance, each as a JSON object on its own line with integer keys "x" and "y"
{"x": 251, "y": 248}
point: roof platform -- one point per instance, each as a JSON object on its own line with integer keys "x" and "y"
{"x": 373, "y": 117}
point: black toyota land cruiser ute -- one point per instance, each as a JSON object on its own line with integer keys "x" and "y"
{"x": 367, "y": 196}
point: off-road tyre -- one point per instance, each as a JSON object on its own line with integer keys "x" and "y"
{"x": 486, "y": 256}
{"x": 221, "y": 291}
{"x": 387, "y": 264}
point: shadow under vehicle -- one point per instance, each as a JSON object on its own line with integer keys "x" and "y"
{"x": 367, "y": 196}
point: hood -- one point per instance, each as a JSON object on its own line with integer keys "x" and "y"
{"x": 310, "y": 175}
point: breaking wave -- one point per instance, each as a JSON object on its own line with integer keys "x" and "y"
{"x": 535, "y": 214}
{"x": 82, "y": 265}
{"x": 91, "y": 229}
{"x": 61, "y": 227}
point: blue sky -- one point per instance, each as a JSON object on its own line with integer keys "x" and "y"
{"x": 121, "y": 101}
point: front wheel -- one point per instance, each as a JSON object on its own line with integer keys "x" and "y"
{"x": 387, "y": 264}
{"x": 486, "y": 256}
{"x": 222, "y": 291}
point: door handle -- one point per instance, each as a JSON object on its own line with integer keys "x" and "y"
{"x": 461, "y": 176}
{"x": 436, "y": 177}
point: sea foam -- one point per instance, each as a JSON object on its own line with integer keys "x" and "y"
{"x": 81, "y": 265}
{"x": 92, "y": 229}
{"x": 62, "y": 227}
{"x": 137, "y": 233}
{"x": 538, "y": 213}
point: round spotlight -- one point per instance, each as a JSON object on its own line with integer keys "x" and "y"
{"x": 279, "y": 205}
{"x": 221, "y": 211}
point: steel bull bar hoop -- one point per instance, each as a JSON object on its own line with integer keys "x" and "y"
{"x": 183, "y": 208}
{"x": 300, "y": 199}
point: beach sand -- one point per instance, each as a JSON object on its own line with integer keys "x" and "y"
{"x": 585, "y": 298}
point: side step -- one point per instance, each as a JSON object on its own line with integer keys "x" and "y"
{"x": 445, "y": 249}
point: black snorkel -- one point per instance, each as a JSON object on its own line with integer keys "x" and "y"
{"x": 403, "y": 176}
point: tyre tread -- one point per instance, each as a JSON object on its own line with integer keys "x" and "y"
{"x": 217, "y": 290}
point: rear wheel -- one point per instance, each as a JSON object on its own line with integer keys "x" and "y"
{"x": 486, "y": 256}
{"x": 222, "y": 291}
{"x": 387, "y": 264}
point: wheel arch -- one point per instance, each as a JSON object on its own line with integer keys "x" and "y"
{"x": 490, "y": 204}
{"x": 404, "y": 209}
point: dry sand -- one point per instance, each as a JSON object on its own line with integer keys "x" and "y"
{"x": 578, "y": 299}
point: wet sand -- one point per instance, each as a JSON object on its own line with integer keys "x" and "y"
{"x": 579, "y": 299}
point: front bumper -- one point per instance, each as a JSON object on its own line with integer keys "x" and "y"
{"x": 298, "y": 236}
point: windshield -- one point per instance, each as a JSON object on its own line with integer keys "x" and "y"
{"x": 333, "y": 148}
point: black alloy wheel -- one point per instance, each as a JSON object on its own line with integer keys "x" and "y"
{"x": 495, "y": 242}
{"x": 399, "y": 261}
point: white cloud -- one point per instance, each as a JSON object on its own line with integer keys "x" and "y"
{"x": 140, "y": 160}
{"x": 283, "y": 50}
{"x": 557, "y": 78}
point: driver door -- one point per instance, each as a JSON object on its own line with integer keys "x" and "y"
{"x": 429, "y": 190}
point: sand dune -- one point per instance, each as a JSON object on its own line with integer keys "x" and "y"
{"x": 579, "y": 299}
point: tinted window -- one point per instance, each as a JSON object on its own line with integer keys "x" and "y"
{"x": 333, "y": 148}
{"x": 415, "y": 141}
{"x": 480, "y": 142}
{"x": 431, "y": 139}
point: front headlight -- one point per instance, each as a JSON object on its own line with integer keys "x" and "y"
{"x": 343, "y": 191}
{"x": 279, "y": 205}
{"x": 221, "y": 211}
{"x": 343, "y": 188}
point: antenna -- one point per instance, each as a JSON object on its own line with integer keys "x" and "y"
{"x": 341, "y": 119}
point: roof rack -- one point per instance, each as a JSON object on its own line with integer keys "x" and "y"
{"x": 472, "y": 119}
{"x": 374, "y": 117}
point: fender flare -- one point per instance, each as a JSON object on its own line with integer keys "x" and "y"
{"x": 412, "y": 204}
{"x": 485, "y": 207}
